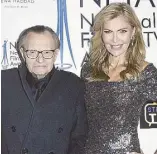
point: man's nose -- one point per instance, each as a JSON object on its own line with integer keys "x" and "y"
{"x": 40, "y": 58}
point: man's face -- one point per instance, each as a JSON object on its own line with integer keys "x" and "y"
{"x": 39, "y": 66}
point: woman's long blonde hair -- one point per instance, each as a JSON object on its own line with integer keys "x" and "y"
{"x": 98, "y": 55}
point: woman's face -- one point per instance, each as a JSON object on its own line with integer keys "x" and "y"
{"x": 117, "y": 34}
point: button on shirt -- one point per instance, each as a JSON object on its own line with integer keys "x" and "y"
{"x": 24, "y": 151}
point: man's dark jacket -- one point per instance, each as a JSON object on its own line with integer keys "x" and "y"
{"x": 54, "y": 124}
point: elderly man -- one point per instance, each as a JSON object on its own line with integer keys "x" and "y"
{"x": 43, "y": 110}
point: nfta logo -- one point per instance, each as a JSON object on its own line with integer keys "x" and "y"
{"x": 137, "y": 2}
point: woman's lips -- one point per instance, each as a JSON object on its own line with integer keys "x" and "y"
{"x": 116, "y": 46}
{"x": 40, "y": 66}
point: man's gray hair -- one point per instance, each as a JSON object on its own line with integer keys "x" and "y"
{"x": 36, "y": 29}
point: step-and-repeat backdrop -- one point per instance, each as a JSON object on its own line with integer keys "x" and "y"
{"x": 71, "y": 19}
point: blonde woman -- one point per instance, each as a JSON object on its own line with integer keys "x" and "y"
{"x": 118, "y": 81}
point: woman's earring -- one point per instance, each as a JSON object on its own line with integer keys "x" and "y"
{"x": 132, "y": 41}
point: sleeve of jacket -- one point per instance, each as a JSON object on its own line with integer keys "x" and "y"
{"x": 79, "y": 133}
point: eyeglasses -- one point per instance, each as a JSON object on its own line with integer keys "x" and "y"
{"x": 33, "y": 54}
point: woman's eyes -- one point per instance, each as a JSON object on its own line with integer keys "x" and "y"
{"x": 107, "y": 31}
{"x": 123, "y": 31}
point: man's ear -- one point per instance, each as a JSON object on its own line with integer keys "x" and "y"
{"x": 56, "y": 53}
{"x": 22, "y": 53}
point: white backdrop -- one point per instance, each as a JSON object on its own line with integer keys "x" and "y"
{"x": 20, "y": 14}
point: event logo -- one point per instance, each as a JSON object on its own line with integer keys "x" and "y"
{"x": 148, "y": 118}
{"x": 63, "y": 21}
{"x": 98, "y": 2}
{"x": 151, "y": 113}
{"x": 4, "y": 61}
{"x": 10, "y": 56}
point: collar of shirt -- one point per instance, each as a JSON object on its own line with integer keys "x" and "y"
{"x": 38, "y": 83}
